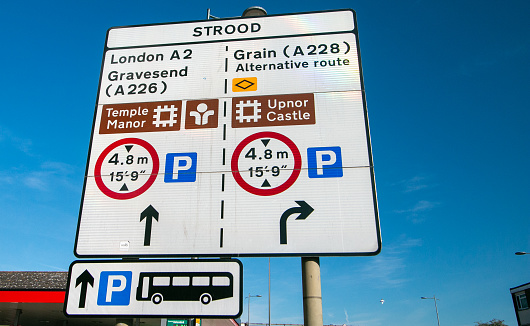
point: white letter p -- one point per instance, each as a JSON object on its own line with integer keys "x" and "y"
{"x": 177, "y": 167}
{"x": 111, "y": 288}
{"x": 321, "y": 161}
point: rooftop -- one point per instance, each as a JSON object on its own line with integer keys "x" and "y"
{"x": 33, "y": 281}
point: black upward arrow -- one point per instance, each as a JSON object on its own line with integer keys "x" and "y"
{"x": 304, "y": 209}
{"x": 84, "y": 279}
{"x": 149, "y": 213}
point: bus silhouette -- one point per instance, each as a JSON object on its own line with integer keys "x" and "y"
{"x": 183, "y": 286}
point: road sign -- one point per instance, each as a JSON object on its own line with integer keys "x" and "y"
{"x": 229, "y": 137}
{"x": 181, "y": 322}
{"x": 184, "y": 288}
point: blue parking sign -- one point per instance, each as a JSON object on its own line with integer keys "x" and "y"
{"x": 115, "y": 288}
{"x": 324, "y": 162}
{"x": 181, "y": 167}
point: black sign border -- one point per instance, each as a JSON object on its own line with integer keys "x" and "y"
{"x": 229, "y": 255}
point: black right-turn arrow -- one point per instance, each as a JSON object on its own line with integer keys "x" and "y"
{"x": 304, "y": 210}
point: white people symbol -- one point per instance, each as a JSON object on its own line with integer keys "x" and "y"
{"x": 202, "y": 114}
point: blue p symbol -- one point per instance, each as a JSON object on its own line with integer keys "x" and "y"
{"x": 181, "y": 167}
{"x": 324, "y": 162}
{"x": 114, "y": 288}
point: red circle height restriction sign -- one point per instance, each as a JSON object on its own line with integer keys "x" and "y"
{"x": 266, "y": 163}
{"x": 126, "y": 168}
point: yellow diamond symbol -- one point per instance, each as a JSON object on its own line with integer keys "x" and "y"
{"x": 246, "y": 84}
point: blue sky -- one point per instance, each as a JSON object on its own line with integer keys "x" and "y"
{"x": 446, "y": 86}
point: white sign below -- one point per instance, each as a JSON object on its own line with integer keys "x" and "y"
{"x": 194, "y": 288}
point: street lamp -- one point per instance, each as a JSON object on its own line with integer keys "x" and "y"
{"x": 248, "y": 310}
{"x": 435, "y": 307}
{"x": 254, "y": 12}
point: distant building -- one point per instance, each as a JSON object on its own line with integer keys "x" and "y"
{"x": 520, "y": 295}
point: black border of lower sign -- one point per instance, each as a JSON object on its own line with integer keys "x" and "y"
{"x": 128, "y": 262}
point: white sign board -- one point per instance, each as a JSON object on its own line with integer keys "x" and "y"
{"x": 196, "y": 288}
{"x": 231, "y": 137}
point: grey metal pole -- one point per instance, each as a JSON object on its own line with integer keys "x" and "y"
{"x": 312, "y": 293}
{"x": 269, "y": 291}
{"x": 248, "y": 309}
{"x": 17, "y": 317}
{"x": 436, "y": 307}
{"x": 209, "y": 15}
